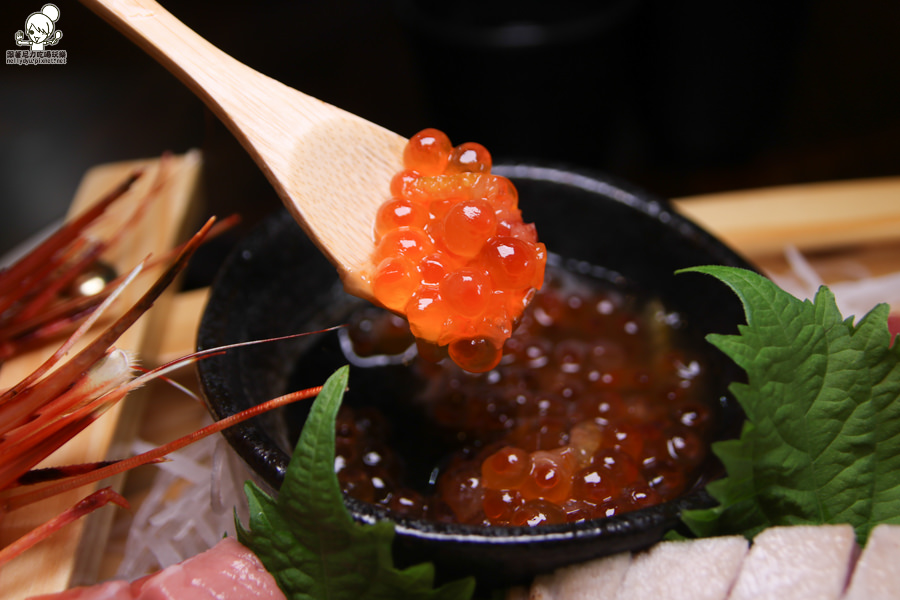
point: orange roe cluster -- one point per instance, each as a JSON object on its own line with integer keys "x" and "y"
{"x": 452, "y": 252}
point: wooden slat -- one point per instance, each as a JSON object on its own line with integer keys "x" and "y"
{"x": 50, "y": 566}
{"x": 819, "y": 216}
{"x": 178, "y": 334}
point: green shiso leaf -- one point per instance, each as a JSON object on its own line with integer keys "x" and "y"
{"x": 822, "y": 439}
{"x": 309, "y": 541}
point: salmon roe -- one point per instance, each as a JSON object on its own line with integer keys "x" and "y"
{"x": 599, "y": 407}
{"x": 452, "y": 253}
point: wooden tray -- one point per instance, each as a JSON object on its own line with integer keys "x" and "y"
{"x": 831, "y": 223}
{"x": 50, "y": 566}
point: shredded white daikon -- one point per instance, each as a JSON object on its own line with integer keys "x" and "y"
{"x": 189, "y": 507}
{"x": 856, "y": 293}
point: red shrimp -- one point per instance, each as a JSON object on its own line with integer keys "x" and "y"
{"x": 62, "y": 397}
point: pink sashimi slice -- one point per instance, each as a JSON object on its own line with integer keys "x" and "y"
{"x": 702, "y": 569}
{"x": 877, "y": 573}
{"x": 227, "y": 570}
{"x": 797, "y": 562}
{"x": 894, "y": 325}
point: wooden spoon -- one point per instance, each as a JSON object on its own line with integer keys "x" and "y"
{"x": 332, "y": 169}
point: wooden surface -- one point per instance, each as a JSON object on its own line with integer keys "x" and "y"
{"x": 845, "y": 230}
{"x": 316, "y": 156}
{"x": 51, "y": 565}
{"x": 817, "y": 217}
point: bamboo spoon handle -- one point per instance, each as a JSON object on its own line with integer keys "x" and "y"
{"x": 330, "y": 168}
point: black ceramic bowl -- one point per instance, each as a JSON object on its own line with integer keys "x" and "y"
{"x": 276, "y": 283}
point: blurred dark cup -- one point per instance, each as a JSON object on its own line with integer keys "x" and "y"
{"x": 526, "y": 79}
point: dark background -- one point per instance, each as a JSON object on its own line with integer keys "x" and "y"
{"x": 678, "y": 96}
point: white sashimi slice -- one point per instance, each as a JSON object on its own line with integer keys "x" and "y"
{"x": 599, "y": 578}
{"x": 692, "y": 570}
{"x": 877, "y": 573}
{"x": 797, "y": 562}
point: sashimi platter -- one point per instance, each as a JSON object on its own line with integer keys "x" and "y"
{"x": 565, "y": 389}
{"x": 433, "y": 374}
